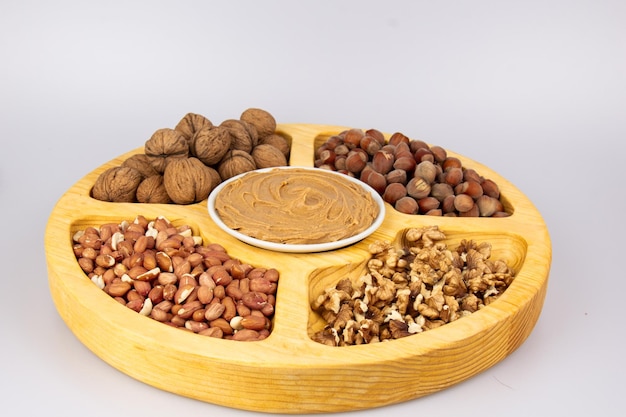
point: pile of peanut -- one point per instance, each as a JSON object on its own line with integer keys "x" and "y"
{"x": 412, "y": 176}
{"x": 164, "y": 272}
{"x": 410, "y": 290}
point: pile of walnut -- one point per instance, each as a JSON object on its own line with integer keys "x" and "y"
{"x": 411, "y": 290}
{"x": 412, "y": 176}
{"x": 165, "y": 273}
{"x": 184, "y": 164}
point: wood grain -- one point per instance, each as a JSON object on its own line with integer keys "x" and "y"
{"x": 288, "y": 372}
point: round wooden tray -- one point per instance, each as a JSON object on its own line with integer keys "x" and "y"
{"x": 288, "y": 372}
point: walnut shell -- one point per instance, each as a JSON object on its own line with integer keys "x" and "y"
{"x": 117, "y": 184}
{"x": 188, "y": 180}
{"x": 262, "y": 120}
{"x": 141, "y": 162}
{"x": 191, "y": 123}
{"x": 164, "y": 145}
{"x": 152, "y": 190}
{"x": 277, "y": 141}
{"x": 266, "y": 156}
{"x": 210, "y": 144}
{"x": 235, "y": 162}
{"x": 242, "y": 136}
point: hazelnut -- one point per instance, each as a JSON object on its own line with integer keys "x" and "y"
{"x": 441, "y": 190}
{"x": 447, "y": 205}
{"x": 487, "y": 205}
{"x": 263, "y": 121}
{"x": 473, "y": 212}
{"x": 451, "y": 162}
{"x": 406, "y": 163}
{"x": 266, "y": 156}
{"x": 463, "y": 203}
{"x": 235, "y": 162}
{"x": 471, "y": 188}
{"x": 418, "y": 188}
{"x": 396, "y": 175}
{"x": 326, "y": 156}
{"x": 370, "y": 144}
{"x": 356, "y": 161}
{"x": 340, "y": 163}
{"x": 117, "y": 184}
{"x": 210, "y": 143}
{"x": 470, "y": 174}
{"x": 416, "y": 144}
{"x": 394, "y": 192}
{"x": 382, "y": 162}
{"x": 423, "y": 154}
{"x": 342, "y": 149}
{"x": 376, "y": 134}
{"x": 490, "y": 188}
{"x": 406, "y": 205}
{"x": 426, "y": 170}
{"x": 377, "y": 181}
{"x": 453, "y": 176}
{"x": 427, "y": 204}
{"x": 439, "y": 153}
{"x": 397, "y": 138}
{"x": 403, "y": 149}
{"x": 352, "y": 138}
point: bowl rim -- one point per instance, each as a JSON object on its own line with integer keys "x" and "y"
{"x": 301, "y": 247}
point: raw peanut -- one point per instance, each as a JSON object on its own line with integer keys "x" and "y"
{"x": 169, "y": 291}
{"x": 219, "y": 292}
{"x": 262, "y": 285}
{"x": 143, "y": 287}
{"x": 164, "y": 262}
{"x": 141, "y": 244}
{"x": 156, "y": 294}
{"x": 160, "y": 315}
{"x": 166, "y": 278}
{"x": 246, "y": 335}
{"x": 222, "y": 277}
{"x": 205, "y": 294}
{"x": 89, "y": 253}
{"x": 195, "y": 259}
{"x": 271, "y": 275}
{"x": 233, "y": 290}
{"x": 118, "y": 289}
{"x": 149, "y": 260}
{"x": 135, "y": 305}
{"x": 242, "y": 309}
{"x": 198, "y": 315}
{"x": 134, "y": 295}
{"x": 212, "y": 332}
{"x": 164, "y": 305}
{"x": 222, "y": 324}
{"x": 267, "y": 310}
{"x": 256, "y": 273}
{"x": 196, "y": 326}
{"x": 187, "y": 279}
{"x": 230, "y": 308}
{"x": 137, "y": 270}
{"x": 187, "y": 310}
{"x": 214, "y": 311}
{"x": 253, "y": 322}
{"x": 86, "y": 264}
{"x": 182, "y": 293}
{"x": 254, "y": 300}
{"x": 178, "y": 321}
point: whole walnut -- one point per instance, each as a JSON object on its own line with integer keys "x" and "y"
{"x": 262, "y": 120}
{"x": 235, "y": 162}
{"x": 210, "y": 144}
{"x": 191, "y": 123}
{"x": 266, "y": 156}
{"x": 141, "y": 162}
{"x": 277, "y": 141}
{"x": 152, "y": 190}
{"x": 117, "y": 184}
{"x": 243, "y": 136}
{"x": 188, "y": 180}
{"x": 164, "y": 145}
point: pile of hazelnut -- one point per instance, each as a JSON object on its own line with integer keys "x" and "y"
{"x": 412, "y": 176}
{"x": 182, "y": 165}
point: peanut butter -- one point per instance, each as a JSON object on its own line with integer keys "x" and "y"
{"x": 296, "y": 206}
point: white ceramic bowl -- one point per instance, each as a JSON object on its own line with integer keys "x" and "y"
{"x": 298, "y": 248}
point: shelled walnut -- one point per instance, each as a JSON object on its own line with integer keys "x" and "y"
{"x": 409, "y": 290}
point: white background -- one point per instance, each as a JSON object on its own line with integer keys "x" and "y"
{"x": 535, "y": 90}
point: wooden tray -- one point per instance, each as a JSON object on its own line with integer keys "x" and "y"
{"x": 288, "y": 372}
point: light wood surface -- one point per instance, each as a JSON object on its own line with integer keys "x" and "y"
{"x": 288, "y": 372}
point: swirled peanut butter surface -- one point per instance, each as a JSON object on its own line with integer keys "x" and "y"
{"x": 296, "y": 206}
